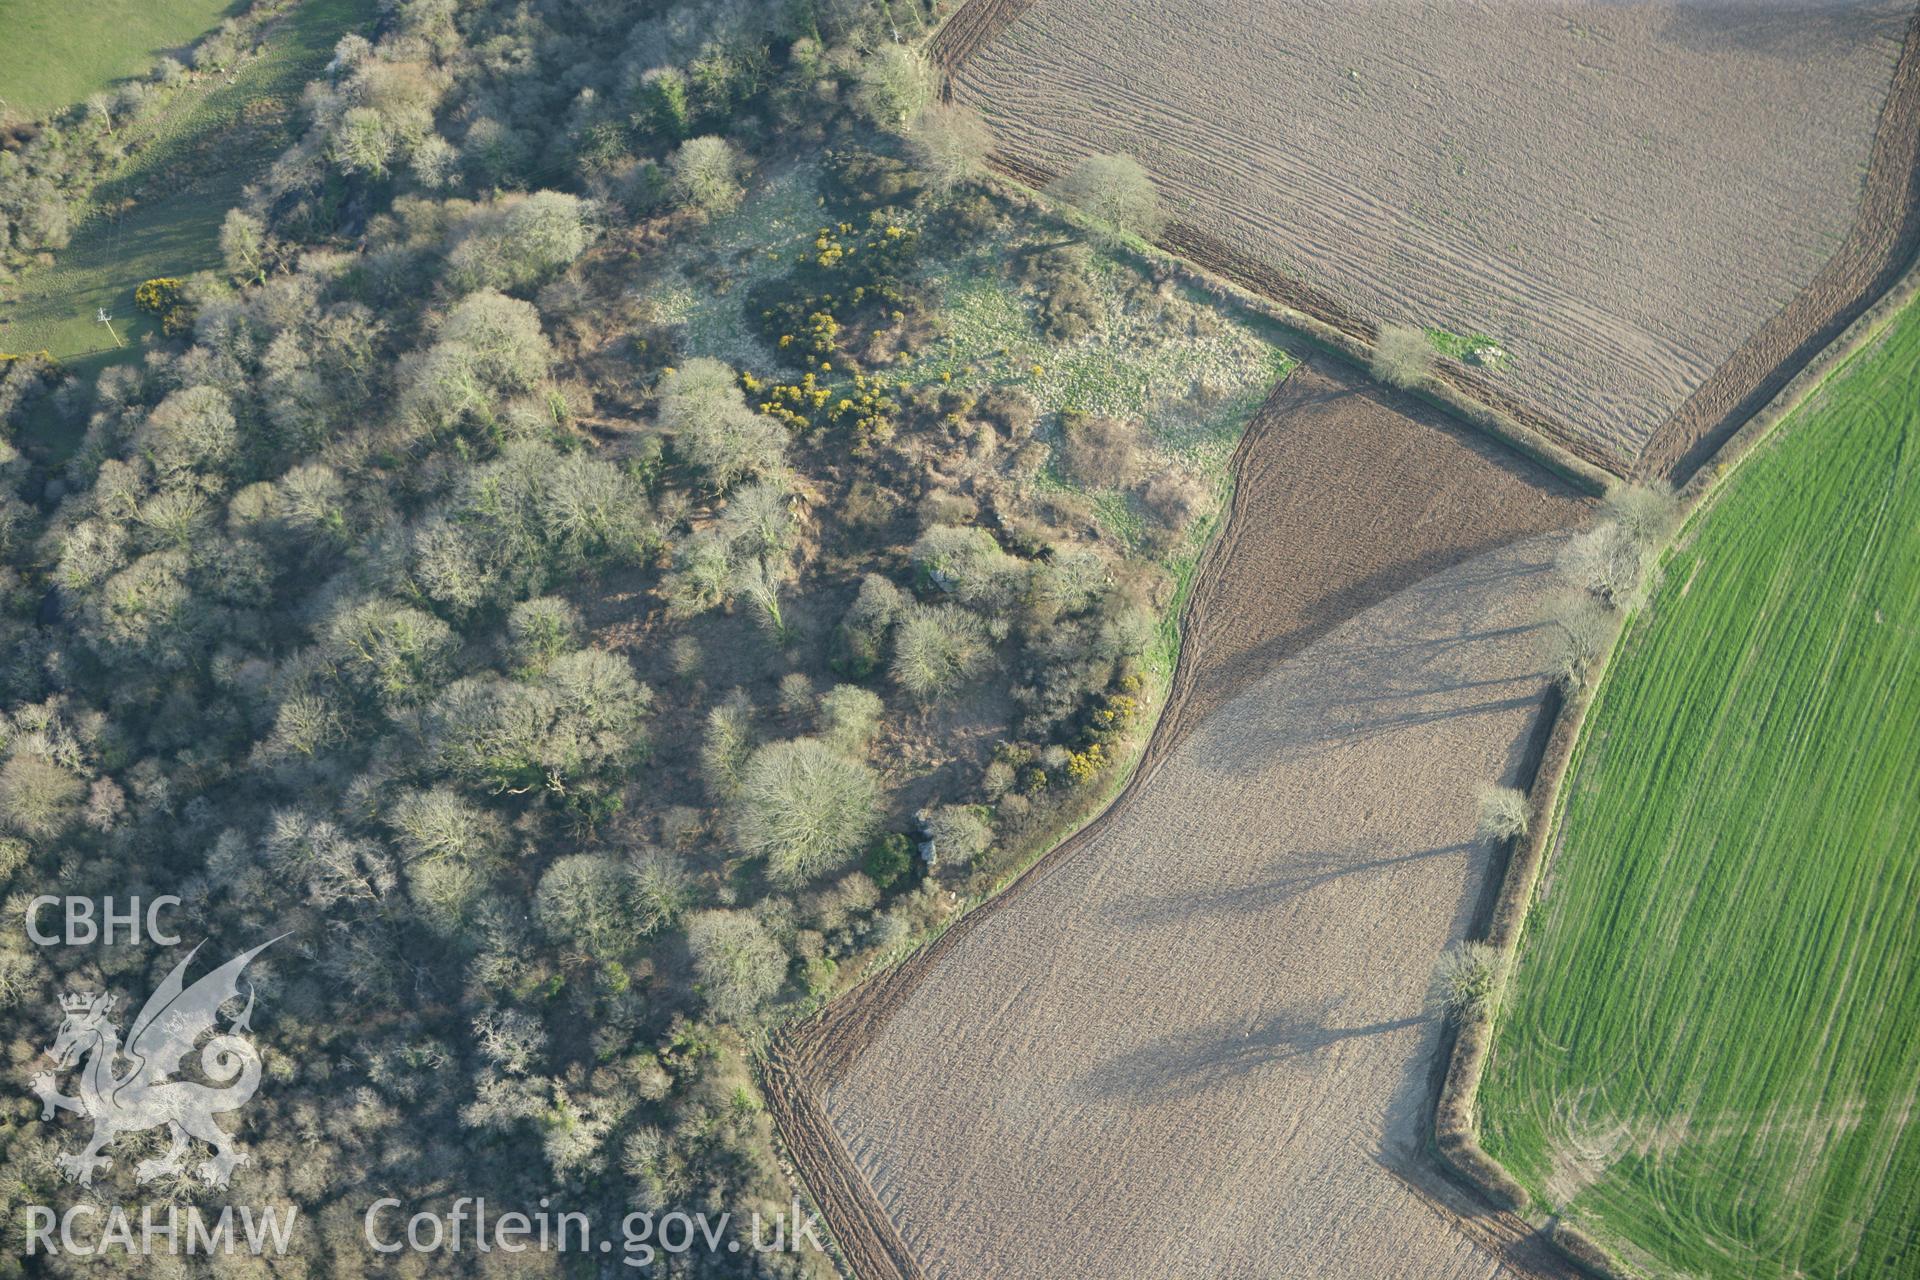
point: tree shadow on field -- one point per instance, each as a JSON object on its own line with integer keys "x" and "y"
{"x": 1794, "y": 29}
{"x": 1223, "y": 677}
{"x": 1286, "y": 877}
{"x": 1458, "y": 645}
{"x": 1202, "y": 1058}
{"x": 1356, "y": 697}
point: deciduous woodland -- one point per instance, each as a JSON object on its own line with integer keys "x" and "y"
{"x": 934, "y": 610}
{"x": 628, "y": 534}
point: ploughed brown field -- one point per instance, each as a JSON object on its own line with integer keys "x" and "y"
{"x": 1655, "y": 209}
{"x": 1194, "y": 1040}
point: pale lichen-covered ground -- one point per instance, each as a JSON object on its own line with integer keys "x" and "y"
{"x": 1618, "y": 194}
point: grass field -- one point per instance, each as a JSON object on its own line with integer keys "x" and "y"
{"x": 1709, "y": 1052}
{"x": 59, "y": 51}
{"x": 207, "y": 148}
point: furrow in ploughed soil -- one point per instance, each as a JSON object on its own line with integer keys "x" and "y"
{"x": 1659, "y": 210}
{"x": 1879, "y": 247}
{"x": 964, "y": 33}
{"x": 1191, "y": 1042}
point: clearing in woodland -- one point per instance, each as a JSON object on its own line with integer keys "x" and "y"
{"x": 1708, "y": 1053}
{"x": 1652, "y": 209}
{"x": 1194, "y": 1039}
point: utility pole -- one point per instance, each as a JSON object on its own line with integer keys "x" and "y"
{"x": 107, "y": 320}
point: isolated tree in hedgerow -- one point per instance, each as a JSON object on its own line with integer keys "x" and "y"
{"x": 1116, "y": 193}
{"x": 1646, "y": 513}
{"x": 1468, "y": 979}
{"x": 1578, "y": 630}
{"x": 949, "y": 144}
{"x": 1503, "y": 813}
{"x": 705, "y": 174}
{"x": 805, "y": 807}
{"x": 1616, "y": 559}
{"x": 1402, "y": 356}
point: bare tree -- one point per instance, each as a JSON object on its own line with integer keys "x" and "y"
{"x": 1579, "y": 629}
{"x": 895, "y": 83}
{"x": 805, "y": 807}
{"x": 741, "y": 965}
{"x": 949, "y": 144}
{"x": 936, "y": 648}
{"x": 1503, "y": 813}
{"x": 1468, "y": 980}
{"x": 706, "y": 175}
{"x": 1402, "y": 356}
{"x": 1116, "y": 194}
{"x": 1617, "y": 559}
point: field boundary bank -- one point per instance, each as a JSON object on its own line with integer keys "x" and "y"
{"x": 1871, "y": 261}
{"x": 823, "y": 1044}
{"x": 805, "y": 1058}
{"x": 1455, "y": 1136}
{"x": 1204, "y": 262}
{"x": 1883, "y": 238}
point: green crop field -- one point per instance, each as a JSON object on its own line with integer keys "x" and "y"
{"x": 56, "y": 52}
{"x": 1708, "y": 1053}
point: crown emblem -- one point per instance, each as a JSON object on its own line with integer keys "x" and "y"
{"x": 79, "y": 1001}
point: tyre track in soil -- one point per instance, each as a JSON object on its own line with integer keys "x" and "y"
{"x": 967, "y": 31}
{"x": 1882, "y": 241}
{"x": 1215, "y": 256}
{"x": 1344, "y": 495}
{"x": 1881, "y": 244}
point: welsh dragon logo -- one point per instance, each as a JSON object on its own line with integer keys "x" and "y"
{"x": 128, "y": 1090}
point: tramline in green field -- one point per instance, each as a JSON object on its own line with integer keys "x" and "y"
{"x": 1707, "y": 1054}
